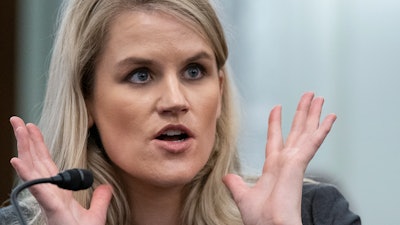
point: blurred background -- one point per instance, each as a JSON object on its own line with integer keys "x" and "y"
{"x": 345, "y": 50}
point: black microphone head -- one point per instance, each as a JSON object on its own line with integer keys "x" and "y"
{"x": 74, "y": 179}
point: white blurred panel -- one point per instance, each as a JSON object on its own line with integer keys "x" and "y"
{"x": 346, "y": 51}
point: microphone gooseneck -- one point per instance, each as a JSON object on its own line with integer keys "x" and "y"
{"x": 73, "y": 179}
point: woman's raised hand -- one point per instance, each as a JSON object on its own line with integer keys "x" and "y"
{"x": 276, "y": 197}
{"x": 34, "y": 161}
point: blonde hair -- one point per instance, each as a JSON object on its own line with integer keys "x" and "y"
{"x": 64, "y": 122}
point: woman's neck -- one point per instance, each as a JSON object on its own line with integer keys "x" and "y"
{"x": 156, "y": 206}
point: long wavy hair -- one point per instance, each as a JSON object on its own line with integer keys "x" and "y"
{"x": 82, "y": 31}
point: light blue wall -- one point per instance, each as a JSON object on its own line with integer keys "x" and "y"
{"x": 347, "y": 51}
{"x": 36, "y": 25}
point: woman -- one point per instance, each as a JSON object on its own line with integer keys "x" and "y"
{"x": 138, "y": 93}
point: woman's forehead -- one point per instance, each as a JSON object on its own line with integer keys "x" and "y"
{"x": 144, "y": 31}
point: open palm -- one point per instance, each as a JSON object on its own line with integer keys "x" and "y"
{"x": 276, "y": 196}
{"x": 59, "y": 206}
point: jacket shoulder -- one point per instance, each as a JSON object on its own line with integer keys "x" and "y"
{"x": 8, "y": 216}
{"x": 323, "y": 204}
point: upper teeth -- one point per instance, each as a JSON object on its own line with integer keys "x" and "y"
{"x": 173, "y": 132}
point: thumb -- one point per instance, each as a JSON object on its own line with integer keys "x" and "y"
{"x": 100, "y": 200}
{"x": 236, "y": 186}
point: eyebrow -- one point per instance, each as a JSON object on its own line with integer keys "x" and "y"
{"x": 198, "y": 56}
{"x": 134, "y": 60}
{"x": 148, "y": 62}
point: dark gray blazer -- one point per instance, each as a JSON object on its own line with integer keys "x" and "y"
{"x": 322, "y": 204}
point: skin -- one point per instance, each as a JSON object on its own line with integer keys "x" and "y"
{"x": 181, "y": 86}
{"x": 133, "y": 113}
{"x": 276, "y": 197}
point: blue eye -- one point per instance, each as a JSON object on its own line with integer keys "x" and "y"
{"x": 139, "y": 76}
{"x": 194, "y": 72}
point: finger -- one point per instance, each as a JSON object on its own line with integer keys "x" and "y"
{"x": 23, "y": 163}
{"x": 36, "y": 158}
{"x": 33, "y": 157}
{"x": 314, "y": 114}
{"x": 16, "y": 122}
{"x": 40, "y": 152}
{"x": 20, "y": 167}
{"x": 317, "y": 138}
{"x": 236, "y": 186}
{"x": 302, "y": 111}
{"x": 37, "y": 140}
{"x": 324, "y": 130}
{"x": 300, "y": 117}
{"x": 22, "y": 136}
{"x": 274, "y": 134}
{"x": 100, "y": 201}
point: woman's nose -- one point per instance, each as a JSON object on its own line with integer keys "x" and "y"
{"x": 173, "y": 99}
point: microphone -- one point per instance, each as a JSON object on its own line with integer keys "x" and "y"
{"x": 72, "y": 179}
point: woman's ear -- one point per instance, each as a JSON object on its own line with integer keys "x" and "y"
{"x": 90, "y": 121}
{"x": 221, "y": 77}
{"x": 89, "y": 115}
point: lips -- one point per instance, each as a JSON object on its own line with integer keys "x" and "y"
{"x": 174, "y": 133}
{"x": 174, "y": 138}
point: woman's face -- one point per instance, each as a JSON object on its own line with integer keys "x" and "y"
{"x": 156, "y": 99}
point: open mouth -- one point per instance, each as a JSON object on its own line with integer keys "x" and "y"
{"x": 173, "y": 135}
